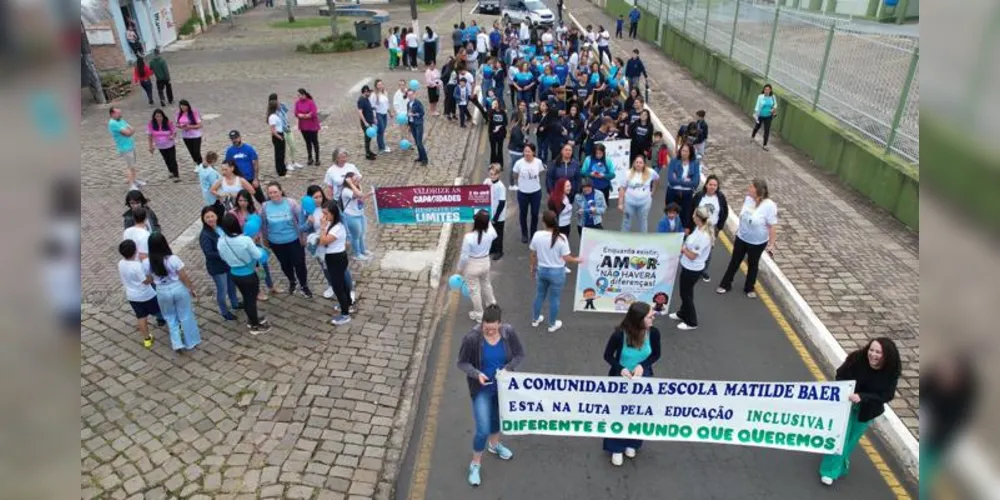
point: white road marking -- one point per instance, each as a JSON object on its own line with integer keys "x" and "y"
{"x": 357, "y": 86}
{"x": 474, "y": 7}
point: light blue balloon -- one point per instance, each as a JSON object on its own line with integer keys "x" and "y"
{"x": 308, "y": 205}
{"x": 414, "y": 85}
{"x": 401, "y": 119}
{"x": 371, "y": 132}
{"x": 252, "y": 226}
{"x": 456, "y": 281}
{"x": 465, "y": 291}
{"x": 264, "y": 255}
{"x": 404, "y": 144}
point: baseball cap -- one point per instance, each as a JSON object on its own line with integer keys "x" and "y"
{"x": 234, "y": 134}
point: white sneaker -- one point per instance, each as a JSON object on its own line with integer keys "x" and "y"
{"x": 630, "y": 452}
{"x": 292, "y": 167}
{"x": 475, "y": 317}
{"x": 386, "y": 150}
{"x": 556, "y": 326}
{"x": 354, "y": 296}
{"x": 513, "y": 188}
{"x": 140, "y": 183}
{"x": 826, "y": 480}
{"x": 328, "y": 293}
{"x": 298, "y": 165}
{"x": 363, "y": 257}
{"x": 684, "y": 326}
{"x": 674, "y": 316}
{"x": 568, "y": 270}
{"x": 537, "y": 321}
{"x": 617, "y": 459}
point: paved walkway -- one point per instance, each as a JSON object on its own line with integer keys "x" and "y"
{"x": 308, "y": 410}
{"x": 855, "y": 265}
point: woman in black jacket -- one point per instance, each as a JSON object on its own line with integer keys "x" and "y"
{"x": 714, "y": 201}
{"x": 641, "y": 134}
{"x": 548, "y": 132}
{"x": 573, "y": 124}
{"x": 876, "y": 369}
{"x": 217, "y": 268}
{"x": 631, "y": 352}
{"x": 498, "y": 131}
{"x": 489, "y": 348}
{"x": 135, "y": 198}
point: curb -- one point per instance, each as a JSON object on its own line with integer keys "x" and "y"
{"x": 890, "y": 428}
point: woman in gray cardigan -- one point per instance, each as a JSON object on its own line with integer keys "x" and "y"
{"x": 490, "y": 347}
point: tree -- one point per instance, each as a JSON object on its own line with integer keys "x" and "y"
{"x": 288, "y": 9}
{"x": 89, "y": 68}
{"x": 332, "y": 6}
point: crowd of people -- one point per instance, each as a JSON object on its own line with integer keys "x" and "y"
{"x": 548, "y": 96}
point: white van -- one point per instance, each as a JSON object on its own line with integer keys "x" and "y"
{"x": 532, "y": 11}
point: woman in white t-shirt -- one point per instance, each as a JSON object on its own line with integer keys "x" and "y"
{"x": 380, "y": 103}
{"x": 549, "y": 255}
{"x": 353, "y": 200}
{"x": 694, "y": 256}
{"x": 335, "y": 175}
{"x": 174, "y": 293}
{"x": 313, "y": 226}
{"x": 712, "y": 199}
{"x": 635, "y": 197}
{"x": 498, "y": 207}
{"x": 474, "y": 263}
{"x": 334, "y": 238}
{"x": 757, "y": 232}
{"x": 527, "y": 176}
{"x": 277, "y": 126}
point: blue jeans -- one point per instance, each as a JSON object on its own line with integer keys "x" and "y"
{"x": 380, "y": 123}
{"x": 175, "y": 304}
{"x": 486, "y": 415}
{"x": 224, "y": 286}
{"x": 357, "y": 226}
{"x": 417, "y": 129}
{"x": 549, "y": 283}
{"x": 526, "y": 96}
{"x": 683, "y": 198}
{"x": 636, "y": 212}
{"x": 486, "y": 85}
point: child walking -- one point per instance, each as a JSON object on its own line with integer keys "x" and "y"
{"x": 139, "y": 290}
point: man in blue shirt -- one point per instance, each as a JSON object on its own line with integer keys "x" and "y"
{"x": 619, "y": 26}
{"x": 366, "y": 116}
{"x": 634, "y": 69}
{"x": 633, "y": 18}
{"x": 244, "y": 156}
{"x": 415, "y": 114}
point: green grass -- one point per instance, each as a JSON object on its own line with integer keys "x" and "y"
{"x": 313, "y": 22}
{"x": 423, "y": 6}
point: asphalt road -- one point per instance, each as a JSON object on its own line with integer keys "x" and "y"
{"x": 738, "y": 339}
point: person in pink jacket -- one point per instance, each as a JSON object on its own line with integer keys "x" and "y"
{"x": 308, "y": 115}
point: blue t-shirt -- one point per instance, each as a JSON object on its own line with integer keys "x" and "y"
{"x": 495, "y": 38}
{"x": 206, "y": 179}
{"x": 244, "y": 156}
{"x": 766, "y": 105}
{"x": 523, "y": 78}
{"x": 494, "y": 358}
{"x": 123, "y": 144}
{"x": 280, "y": 222}
{"x": 548, "y": 81}
{"x": 561, "y": 71}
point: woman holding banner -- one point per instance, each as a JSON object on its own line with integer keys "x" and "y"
{"x": 631, "y": 351}
{"x": 876, "y": 369}
{"x": 694, "y": 255}
{"x": 489, "y": 348}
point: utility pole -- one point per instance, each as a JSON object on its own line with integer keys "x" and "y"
{"x": 93, "y": 76}
{"x": 332, "y": 6}
{"x": 413, "y": 15}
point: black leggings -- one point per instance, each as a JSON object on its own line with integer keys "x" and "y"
{"x": 292, "y": 258}
{"x": 752, "y": 253}
{"x": 497, "y": 245}
{"x": 496, "y": 148}
{"x": 249, "y": 287}
{"x": 279, "y": 154}
{"x": 766, "y": 122}
{"x": 686, "y": 312}
{"x": 336, "y": 263}
{"x": 311, "y": 138}
{"x": 194, "y": 149}
{"x": 524, "y": 200}
{"x": 170, "y": 158}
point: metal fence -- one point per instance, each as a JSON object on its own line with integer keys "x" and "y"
{"x": 868, "y": 81}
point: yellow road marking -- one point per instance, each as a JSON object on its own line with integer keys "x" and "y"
{"x": 883, "y": 468}
{"x": 422, "y": 464}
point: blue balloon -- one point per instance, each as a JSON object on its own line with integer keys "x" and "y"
{"x": 401, "y": 119}
{"x": 465, "y": 291}
{"x": 308, "y": 205}
{"x": 371, "y": 132}
{"x": 414, "y": 85}
{"x": 456, "y": 281}
{"x": 252, "y": 226}
{"x": 264, "y": 254}
{"x": 404, "y": 144}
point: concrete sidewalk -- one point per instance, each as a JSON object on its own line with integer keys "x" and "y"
{"x": 854, "y": 264}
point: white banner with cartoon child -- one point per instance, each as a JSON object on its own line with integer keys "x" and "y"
{"x": 621, "y": 268}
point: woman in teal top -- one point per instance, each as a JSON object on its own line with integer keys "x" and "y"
{"x": 763, "y": 112}
{"x": 631, "y": 351}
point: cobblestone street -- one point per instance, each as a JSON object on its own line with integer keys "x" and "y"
{"x": 307, "y": 410}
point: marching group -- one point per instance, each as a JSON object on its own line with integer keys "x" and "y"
{"x": 571, "y": 99}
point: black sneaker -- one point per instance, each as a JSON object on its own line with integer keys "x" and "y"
{"x": 238, "y": 306}
{"x": 524, "y": 239}
{"x": 306, "y": 292}
{"x": 706, "y": 278}
{"x": 161, "y": 322}
{"x": 291, "y": 289}
{"x": 497, "y": 256}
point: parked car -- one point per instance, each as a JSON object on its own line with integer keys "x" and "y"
{"x": 489, "y": 6}
{"x": 532, "y": 11}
